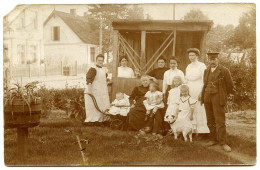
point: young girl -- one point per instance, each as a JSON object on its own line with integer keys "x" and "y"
{"x": 173, "y": 98}
{"x": 120, "y": 106}
{"x": 154, "y": 100}
{"x": 185, "y": 106}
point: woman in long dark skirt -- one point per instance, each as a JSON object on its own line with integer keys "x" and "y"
{"x": 136, "y": 115}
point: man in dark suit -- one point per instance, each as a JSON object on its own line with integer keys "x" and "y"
{"x": 218, "y": 84}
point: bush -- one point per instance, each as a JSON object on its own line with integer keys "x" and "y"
{"x": 244, "y": 78}
{"x": 70, "y": 100}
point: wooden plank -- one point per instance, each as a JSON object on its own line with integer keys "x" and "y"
{"x": 143, "y": 60}
{"x": 174, "y": 42}
{"x": 22, "y": 143}
{"x": 203, "y": 47}
{"x": 115, "y": 58}
{"x": 159, "y": 56}
{"x": 154, "y": 55}
{"x": 163, "y": 27}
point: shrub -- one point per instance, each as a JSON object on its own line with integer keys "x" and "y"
{"x": 70, "y": 100}
{"x": 244, "y": 78}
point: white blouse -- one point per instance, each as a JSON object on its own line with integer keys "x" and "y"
{"x": 195, "y": 71}
{"x": 125, "y": 72}
{"x": 168, "y": 77}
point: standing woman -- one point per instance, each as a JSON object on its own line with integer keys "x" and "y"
{"x": 169, "y": 75}
{"x": 194, "y": 78}
{"x": 123, "y": 70}
{"x": 97, "y": 86}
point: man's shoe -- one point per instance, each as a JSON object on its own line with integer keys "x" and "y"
{"x": 211, "y": 143}
{"x": 226, "y": 148}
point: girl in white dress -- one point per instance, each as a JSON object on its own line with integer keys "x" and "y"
{"x": 194, "y": 79}
{"x": 154, "y": 100}
{"x": 173, "y": 98}
{"x": 121, "y": 105}
{"x": 185, "y": 108}
{"x": 124, "y": 71}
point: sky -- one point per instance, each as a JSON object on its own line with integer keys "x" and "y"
{"x": 221, "y": 13}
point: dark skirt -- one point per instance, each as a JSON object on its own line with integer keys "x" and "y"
{"x": 136, "y": 118}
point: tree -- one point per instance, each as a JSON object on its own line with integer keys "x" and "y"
{"x": 244, "y": 34}
{"x": 110, "y": 13}
{"x": 218, "y": 37}
{"x": 195, "y": 14}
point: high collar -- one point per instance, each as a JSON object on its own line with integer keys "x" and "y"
{"x": 98, "y": 66}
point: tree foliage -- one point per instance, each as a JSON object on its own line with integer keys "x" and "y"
{"x": 110, "y": 13}
{"x": 195, "y": 14}
{"x": 244, "y": 34}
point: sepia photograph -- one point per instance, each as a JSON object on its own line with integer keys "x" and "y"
{"x": 151, "y": 84}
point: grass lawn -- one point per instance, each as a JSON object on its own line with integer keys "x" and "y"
{"x": 54, "y": 143}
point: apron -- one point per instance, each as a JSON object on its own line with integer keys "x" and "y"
{"x": 100, "y": 91}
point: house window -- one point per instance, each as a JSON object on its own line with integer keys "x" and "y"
{"x": 92, "y": 54}
{"x": 55, "y": 34}
{"x": 21, "y": 53}
{"x": 33, "y": 53}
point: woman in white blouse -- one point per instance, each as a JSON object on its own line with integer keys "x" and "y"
{"x": 170, "y": 74}
{"x": 194, "y": 77}
{"x": 123, "y": 70}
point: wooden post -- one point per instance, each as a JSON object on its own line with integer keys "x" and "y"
{"x": 203, "y": 47}
{"x": 174, "y": 43}
{"x": 22, "y": 139}
{"x": 142, "y": 63}
{"x": 115, "y": 60}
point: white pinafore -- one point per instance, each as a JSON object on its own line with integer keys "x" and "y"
{"x": 100, "y": 91}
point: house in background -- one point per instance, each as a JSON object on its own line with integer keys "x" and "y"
{"x": 23, "y": 36}
{"x": 68, "y": 38}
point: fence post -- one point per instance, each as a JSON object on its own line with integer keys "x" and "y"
{"x": 61, "y": 64}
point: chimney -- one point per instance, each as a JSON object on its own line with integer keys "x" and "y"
{"x": 73, "y": 12}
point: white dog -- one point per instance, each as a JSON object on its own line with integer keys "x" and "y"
{"x": 183, "y": 126}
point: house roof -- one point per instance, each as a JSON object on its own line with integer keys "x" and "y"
{"x": 78, "y": 24}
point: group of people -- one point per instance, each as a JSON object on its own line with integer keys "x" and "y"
{"x": 198, "y": 96}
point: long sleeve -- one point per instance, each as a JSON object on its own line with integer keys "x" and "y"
{"x": 133, "y": 95}
{"x": 182, "y": 76}
{"x": 91, "y": 75}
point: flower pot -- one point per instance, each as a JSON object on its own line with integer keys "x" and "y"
{"x": 17, "y": 114}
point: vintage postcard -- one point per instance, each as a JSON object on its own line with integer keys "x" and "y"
{"x": 129, "y": 84}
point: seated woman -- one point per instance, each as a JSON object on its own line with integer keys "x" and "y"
{"x": 137, "y": 113}
{"x": 124, "y": 71}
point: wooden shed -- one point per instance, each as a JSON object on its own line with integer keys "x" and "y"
{"x": 144, "y": 41}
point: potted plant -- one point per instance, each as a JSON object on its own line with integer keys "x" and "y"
{"x": 22, "y": 106}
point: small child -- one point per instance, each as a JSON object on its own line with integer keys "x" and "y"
{"x": 185, "y": 106}
{"x": 120, "y": 106}
{"x": 173, "y": 97}
{"x": 154, "y": 100}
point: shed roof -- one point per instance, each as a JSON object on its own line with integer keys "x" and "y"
{"x": 78, "y": 24}
{"x": 180, "y": 25}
